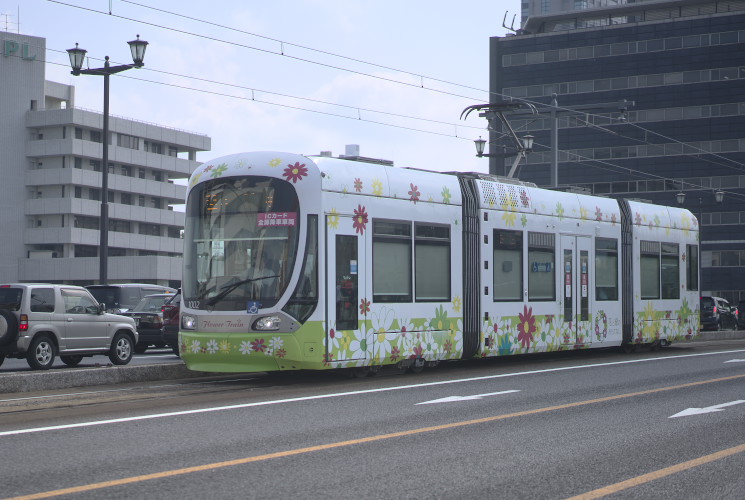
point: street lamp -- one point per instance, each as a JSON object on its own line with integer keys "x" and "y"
{"x": 524, "y": 146}
{"x": 77, "y": 56}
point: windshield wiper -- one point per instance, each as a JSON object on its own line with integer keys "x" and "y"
{"x": 229, "y": 287}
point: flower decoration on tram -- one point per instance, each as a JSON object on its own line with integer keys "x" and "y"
{"x": 638, "y": 219}
{"x": 526, "y": 327}
{"x": 295, "y": 172}
{"x": 359, "y": 222}
{"x": 258, "y": 345}
{"x": 560, "y": 211}
{"x": 457, "y": 303}
{"x": 445, "y": 195}
{"x": 195, "y": 179}
{"x": 414, "y": 193}
{"x": 524, "y": 198}
{"x": 218, "y": 171}
{"x": 358, "y": 185}
{"x": 598, "y": 214}
{"x": 364, "y": 306}
{"x": 377, "y": 187}
{"x": 332, "y": 219}
{"x": 583, "y": 214}
{"x": 275, "y": 162}
{"x": 613, "y": 219}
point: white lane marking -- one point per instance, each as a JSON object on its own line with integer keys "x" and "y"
{"x": 455, "y": 399}
{"x": 735, "y": 361}
{"x": 708, "y": 409}
{"x": 344, "y": 394}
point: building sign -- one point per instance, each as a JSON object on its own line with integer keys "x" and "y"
{"x": 13, "y": 48}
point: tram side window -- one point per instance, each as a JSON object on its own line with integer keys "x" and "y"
{"x": 305, "y": 297}
{"x": 670, "y": 270}
{"x": 692, "y": 268}
{"x": 391, "y": 261}
{"x": 606, "y": 269}
{"x": 649, "y": 267}
{"x": 432, "y": 262}
{"x": 541, "y": 268}
{"x": 508, "y": 266}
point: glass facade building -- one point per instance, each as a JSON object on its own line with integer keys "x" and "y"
{"x": 682, "y": 65}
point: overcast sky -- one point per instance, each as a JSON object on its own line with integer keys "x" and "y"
{"x": 214, "y": 68}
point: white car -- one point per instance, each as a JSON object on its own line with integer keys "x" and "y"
{"x": 40, "y": 321}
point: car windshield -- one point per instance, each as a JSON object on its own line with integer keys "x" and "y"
{"x": 10, "y": 298}
{"x": 240, "y": 242}
{"x": 707, "y": 302}
{"x": 151, "y": 303}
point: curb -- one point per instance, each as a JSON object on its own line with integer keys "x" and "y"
{"x": 85, "y": 377}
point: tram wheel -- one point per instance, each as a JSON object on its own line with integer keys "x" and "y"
{"x": 628, "y": 348}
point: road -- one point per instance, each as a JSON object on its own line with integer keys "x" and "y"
{"x": 645, "y": 425}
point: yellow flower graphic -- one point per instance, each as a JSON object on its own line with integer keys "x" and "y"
{"x": 275, "y": 162}
{"x": 224, "y": 346}
{"x": 377, "y": 187}
{"x": 457, "y": 304}
{"x": 583, "y": 213}
{"x": 332, "y": 219}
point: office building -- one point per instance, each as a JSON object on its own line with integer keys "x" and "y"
{"x": 650, "y": 103}
{"x": 50, "y": 164}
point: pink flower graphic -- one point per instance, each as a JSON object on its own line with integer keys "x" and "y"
{"x": 526, "y": 327}
{"x": 258, "y": 345}
{"x": 364, "y": 306}
{"x": 414, "y": 193}
{"x": 360, "y": 219}
{"x": 357, "y": 185}
{"x": 295, "y": 172}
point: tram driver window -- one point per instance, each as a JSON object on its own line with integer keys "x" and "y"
{"x": 508, "y": 266}
{"x": 606, "y": 269}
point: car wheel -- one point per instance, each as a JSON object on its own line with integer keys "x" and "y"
{"x": 71, "y": 360}
{"x": 121, "y": 349}
{"x": 8, "y": 326}
{"x": 40, "y": 355}
{"x": 141, "y": 348}
{"x": 718, "y": 325}
{"x": 175, "y": 349}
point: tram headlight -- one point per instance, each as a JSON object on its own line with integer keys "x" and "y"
{"x": 267, "y": 323}
{"x": 188, "y": 322}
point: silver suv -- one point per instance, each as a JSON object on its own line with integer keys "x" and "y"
{"x": 40, "y": 321}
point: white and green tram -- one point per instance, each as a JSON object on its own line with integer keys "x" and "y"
{"x": 294, "y": 262}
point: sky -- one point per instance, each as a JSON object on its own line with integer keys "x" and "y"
{"x": 300, "y": 76}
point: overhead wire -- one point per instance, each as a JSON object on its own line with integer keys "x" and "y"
{"x": 422, "y": 77}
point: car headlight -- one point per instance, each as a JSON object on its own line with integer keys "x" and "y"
{"x": 267, "y": 323}
{"x": 188, "y": 322}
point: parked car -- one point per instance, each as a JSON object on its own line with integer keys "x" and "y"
{"x": 717, "y": 314}
{"x": 171, "y": 323}
{"x": 148, "y": 316}
{"x": 40, "y": 321}
{"x": 121, "y": 298}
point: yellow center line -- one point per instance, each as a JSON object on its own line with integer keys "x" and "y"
{"x": 659, "y": 474}
{"x": 380, "y": 437}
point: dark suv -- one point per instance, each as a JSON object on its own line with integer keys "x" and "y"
{"x": 716, "y": 314}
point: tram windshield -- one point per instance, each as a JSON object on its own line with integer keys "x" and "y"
{"x": 240, "y": 243}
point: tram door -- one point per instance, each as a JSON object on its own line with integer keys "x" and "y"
{"x": 346, "y": 312}
{"x": 575, "y": 289}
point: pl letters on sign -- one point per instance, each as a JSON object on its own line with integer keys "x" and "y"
{"x": 13, "y": 48}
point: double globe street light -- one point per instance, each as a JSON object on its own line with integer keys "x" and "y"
{"x": 77, "y": 56}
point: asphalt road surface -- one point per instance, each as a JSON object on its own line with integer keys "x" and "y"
{"x": 651, "y": 424}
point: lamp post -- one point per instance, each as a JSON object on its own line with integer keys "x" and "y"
{"x": 524, "y": 146}
{"x": 77, "y": 56}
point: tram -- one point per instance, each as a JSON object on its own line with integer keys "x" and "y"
{"x": 310, "y": 262}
